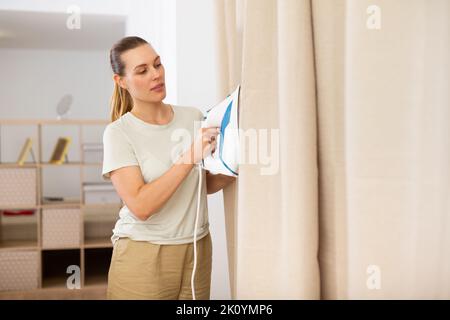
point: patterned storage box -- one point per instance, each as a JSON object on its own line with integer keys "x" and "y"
{"x": 17, "y": 187}
{"x": 61, "y": 228}
{"x": 19, "y": 270}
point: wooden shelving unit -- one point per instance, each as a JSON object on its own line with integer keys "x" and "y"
{"x": 93, "y": 252}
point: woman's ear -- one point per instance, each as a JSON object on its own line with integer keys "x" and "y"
{"x": 120, "y": 81}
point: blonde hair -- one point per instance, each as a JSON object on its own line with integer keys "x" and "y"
{"x": 121, "y": 101}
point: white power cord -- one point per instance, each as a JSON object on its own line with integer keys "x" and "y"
{"x": 200, "y": 178}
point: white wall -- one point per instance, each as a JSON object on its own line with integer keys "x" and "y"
{"x": 155, "y": 21}
{"x": 34, "y": 82}
{"x": 107, "y": 7}
{"x": 35, "y": 78}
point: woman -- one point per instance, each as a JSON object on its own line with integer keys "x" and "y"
{"x": 153, "y": 237}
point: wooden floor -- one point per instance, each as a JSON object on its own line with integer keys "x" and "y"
{"x": 87, "y": 293}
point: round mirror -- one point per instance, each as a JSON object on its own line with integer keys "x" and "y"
{"x": 63, "y": 106}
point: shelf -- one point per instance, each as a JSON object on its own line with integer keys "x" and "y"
{"x": 97, "y": 243}
{"x": 47, "y": 164}
{"x": 100, "y": 213}
{"x": 74, "y": 247}
{"x": 102, "y": 205}
{"x": 98, "y": 224}
{"x": 97, "y": 262}
{"x": 15, "y": 245}
{"x": 93, "y": 163}
{"x": 15, "y": 165}
{"x": 64, "y": 204}
{"x": 53, "y": 122}
{"x": 92, "y": 243}
{"x": 55, "y": 282}
{"x": 18, "y": 219}
{"x": 96, "y": 281}
{"x": 93, "y": 292}
{"x": 18, "y": 233}
{"x": 20, "y": 207}
{"x": 56, "y": 204}
{"x": 55, "y": 263}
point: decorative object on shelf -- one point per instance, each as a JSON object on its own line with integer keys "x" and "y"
{"x": 18, "y": 212}
{"x": 19, "y": 225}
{"x": 100, "y": 193}
{"x": 93, "y": 152}
{"x": 60, "y": 151}
{"x": 24, "y": 153}
{"x": 63, "y": 106}
{"x": 51, "y": 199}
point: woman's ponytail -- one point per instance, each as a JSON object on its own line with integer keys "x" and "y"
{"x": 121, "y": 102}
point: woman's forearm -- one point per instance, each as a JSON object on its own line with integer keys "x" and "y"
{"x": 154, "y": 195}
{"x": 216, "y": 182}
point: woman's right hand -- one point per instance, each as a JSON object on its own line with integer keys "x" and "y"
{"x": 204, "y": 144}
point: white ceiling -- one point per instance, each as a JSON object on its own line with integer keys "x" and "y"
{"x": 46, "y": 30}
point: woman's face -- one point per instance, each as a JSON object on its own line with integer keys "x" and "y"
{"x": 143, "y": 71}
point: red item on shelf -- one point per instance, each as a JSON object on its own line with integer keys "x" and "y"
{"x": 18, "y": 212}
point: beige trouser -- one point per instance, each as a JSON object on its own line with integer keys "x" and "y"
{"x": 143, "y": 270}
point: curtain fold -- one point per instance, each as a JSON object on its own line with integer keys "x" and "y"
{"x": 350, "y": 125}
{"x": 296, "y": 211}
{"x": 329, "y": 31}
{"x": 229, "y": 49}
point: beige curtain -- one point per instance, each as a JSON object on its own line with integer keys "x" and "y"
{"x": 357, "y": 94}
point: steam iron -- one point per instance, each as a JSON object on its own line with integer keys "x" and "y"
{"x": 225, "y": 159}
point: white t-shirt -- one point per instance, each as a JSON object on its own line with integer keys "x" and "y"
{"x": 130, "y": 141}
